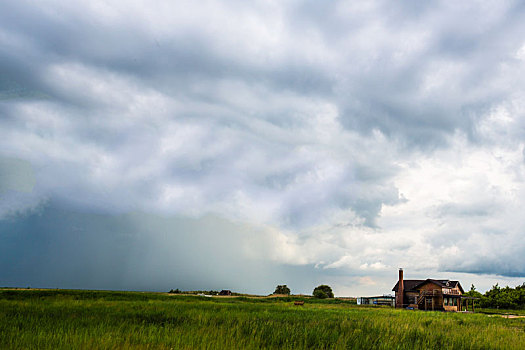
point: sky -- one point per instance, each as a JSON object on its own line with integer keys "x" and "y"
{"x": 151, "y": 145}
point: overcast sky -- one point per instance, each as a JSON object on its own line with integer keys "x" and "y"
{"x": 151, "y": 145}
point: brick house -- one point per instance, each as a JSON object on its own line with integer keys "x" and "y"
{"x": 429, "y": 294}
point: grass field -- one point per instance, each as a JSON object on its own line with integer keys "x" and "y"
{"x": 64, "y": 319}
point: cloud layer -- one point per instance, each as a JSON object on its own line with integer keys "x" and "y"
{"x": 354, "y": 138}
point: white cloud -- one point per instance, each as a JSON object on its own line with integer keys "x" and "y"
{"x": 520, "y": 54}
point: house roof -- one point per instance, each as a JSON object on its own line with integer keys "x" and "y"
{"x": 413, "y": 285}
{"x": 408, "y": 285}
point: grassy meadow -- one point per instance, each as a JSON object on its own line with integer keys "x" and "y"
{"x": 68, "y": 319}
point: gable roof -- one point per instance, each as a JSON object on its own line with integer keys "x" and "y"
{"x": 408, "y": 285}
{"x": 413, "y": 285}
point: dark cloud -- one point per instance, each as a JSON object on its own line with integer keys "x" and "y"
{"x": 470, "y": 210}
{"x": 372, "y": 88}
{"x": 505, "y": 262}
{"x": 58, "y": 247}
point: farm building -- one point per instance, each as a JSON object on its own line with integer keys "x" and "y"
{"x": 430, "y": 294}
{"x": 379, "y": 300}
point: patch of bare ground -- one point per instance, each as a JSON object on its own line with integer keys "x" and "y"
{"x": 507, "y": 316}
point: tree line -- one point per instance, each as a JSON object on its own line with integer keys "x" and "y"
{"x": 500, "y": 298}
{"x": 322, "y": 292}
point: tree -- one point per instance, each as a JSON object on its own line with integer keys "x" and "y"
{"x": 474, "y": 293}
{"x": 323, "y": 291}
{"x": 282, "y": 289}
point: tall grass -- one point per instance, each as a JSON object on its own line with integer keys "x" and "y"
{"x": 118, "y": 320}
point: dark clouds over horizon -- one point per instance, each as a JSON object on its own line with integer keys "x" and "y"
{"x": 351, "y": 138}
{"x": 55, "y": 246}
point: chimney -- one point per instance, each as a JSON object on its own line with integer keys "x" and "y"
{"x": 400, "y": 290}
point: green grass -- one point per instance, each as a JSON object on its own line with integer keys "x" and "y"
{"x": 63, "y": 319}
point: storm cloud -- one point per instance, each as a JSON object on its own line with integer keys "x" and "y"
{"x": 331, "y": 141}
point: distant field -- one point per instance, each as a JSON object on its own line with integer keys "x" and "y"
{"x": 64, "y": 319}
